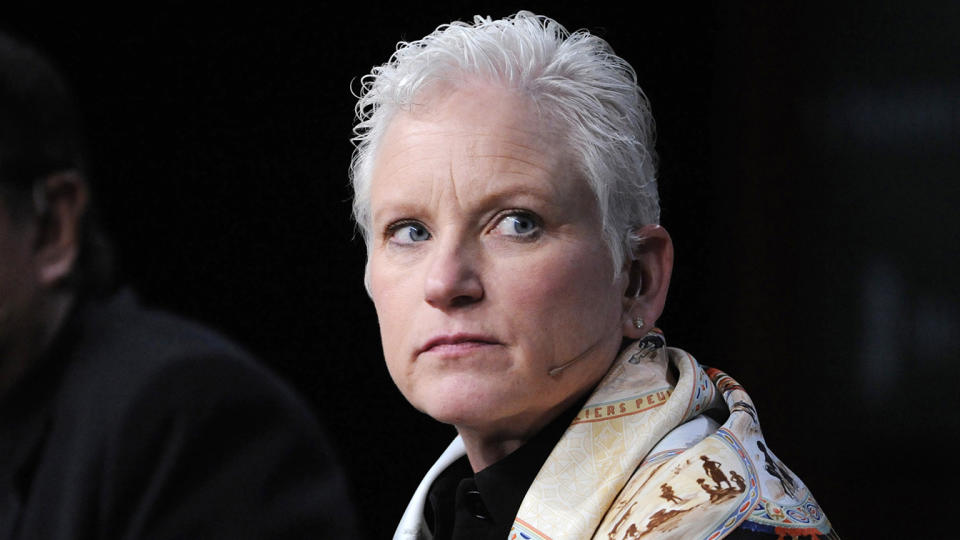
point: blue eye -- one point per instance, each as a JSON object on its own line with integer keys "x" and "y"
{"x": 408, "y": 233}
{"x": 521, "y": 225}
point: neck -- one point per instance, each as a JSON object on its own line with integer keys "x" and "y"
{"x": 487, "y": 445}
{"x": 483, "y": 451}
{"x": 30, "y": 343}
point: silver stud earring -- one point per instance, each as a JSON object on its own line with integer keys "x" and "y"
{"x": 638, "y": 322}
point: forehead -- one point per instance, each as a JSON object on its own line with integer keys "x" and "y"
{"x": 471, "y": 133}
{"x": 485, "y": 113}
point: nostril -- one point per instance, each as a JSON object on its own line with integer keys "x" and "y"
{"x": 464, "y": 300}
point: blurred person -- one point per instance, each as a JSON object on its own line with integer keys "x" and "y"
{"x": 505, "y": 184}
{"x": 117, "y": 421}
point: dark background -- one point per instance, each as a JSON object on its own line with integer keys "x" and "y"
{"x": 809, "y": 176}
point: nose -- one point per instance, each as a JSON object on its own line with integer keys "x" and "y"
{"x": 452, "y": 279}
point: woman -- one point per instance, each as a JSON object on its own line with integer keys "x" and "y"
{"x": 505, "y": 186}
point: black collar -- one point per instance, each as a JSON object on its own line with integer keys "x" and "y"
{"x": 484, "y": 505}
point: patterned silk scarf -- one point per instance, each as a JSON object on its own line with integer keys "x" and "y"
{"x": 608, "y": 478}
{"x": 641, "y": 461}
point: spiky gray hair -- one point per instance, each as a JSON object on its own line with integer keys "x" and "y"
{"x": 574, "y": 79}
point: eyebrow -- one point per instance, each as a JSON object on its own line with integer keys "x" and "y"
{"x": 401, "y": 205}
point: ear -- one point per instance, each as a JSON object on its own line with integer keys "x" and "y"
{"x": 649, "y": 271}
{"x": 59, "y": 201}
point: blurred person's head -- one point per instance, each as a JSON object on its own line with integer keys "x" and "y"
{"x": 50, "y": 251}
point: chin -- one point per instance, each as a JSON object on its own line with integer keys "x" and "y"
{"x": 458, "y": 404}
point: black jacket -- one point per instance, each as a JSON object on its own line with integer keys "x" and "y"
{"x": 141, "y": 425}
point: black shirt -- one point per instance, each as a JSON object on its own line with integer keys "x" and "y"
{"x": 482, "y": 506}
{"x": 466, "y": 506}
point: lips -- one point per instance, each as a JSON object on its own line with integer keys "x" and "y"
{"x": 455, "y": 343}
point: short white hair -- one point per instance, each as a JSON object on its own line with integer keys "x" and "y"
{"x": 575, "y": 78}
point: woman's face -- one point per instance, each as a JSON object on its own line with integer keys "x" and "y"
{"x": 487, "y": 265}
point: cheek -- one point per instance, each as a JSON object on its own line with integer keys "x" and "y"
{"x": 568, "y": 304}
{"x": 390, "y": 300}
{"x": 397, "y": 365}
{"x": 389, "y": 331}
{"x": 383, "y": 291}
{"x": 577, "y": 286}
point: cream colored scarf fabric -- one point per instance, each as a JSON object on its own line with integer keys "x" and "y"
{"x": 602, "y": 481}
{"x": 632, "y": 465}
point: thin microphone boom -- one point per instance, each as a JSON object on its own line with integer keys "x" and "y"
{"x": 561, "y": 367}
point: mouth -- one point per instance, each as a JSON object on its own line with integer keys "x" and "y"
{"x": 457, "y": 343}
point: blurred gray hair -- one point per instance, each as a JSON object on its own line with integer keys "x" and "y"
{"x": 575, "y": 78}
